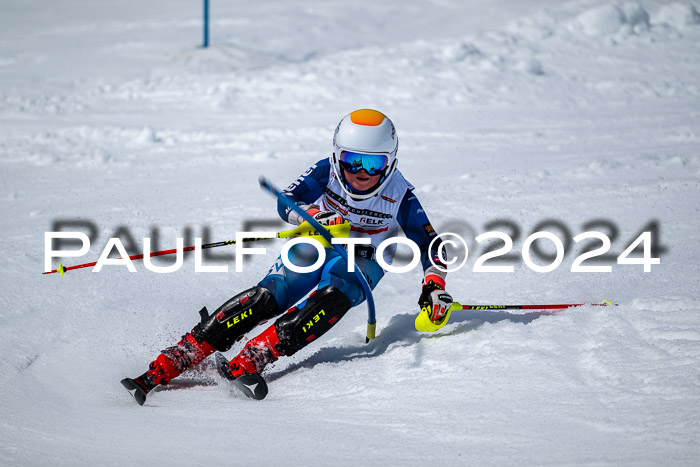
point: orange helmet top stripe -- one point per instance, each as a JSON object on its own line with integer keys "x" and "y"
{"x": 367, "y": 117}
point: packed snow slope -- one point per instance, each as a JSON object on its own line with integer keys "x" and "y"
{"x": 585, "y": 114}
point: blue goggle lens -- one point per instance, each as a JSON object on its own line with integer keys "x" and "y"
{"x": 353, "y": 162}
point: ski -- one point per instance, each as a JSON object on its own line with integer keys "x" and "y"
{"x": 252, "y": 385}
{"x": 136, "y": 391}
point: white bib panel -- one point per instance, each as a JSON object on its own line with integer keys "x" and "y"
{"x": 374, "y": 218}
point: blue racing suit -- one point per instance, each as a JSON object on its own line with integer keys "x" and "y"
{"x": 395, "y": 206}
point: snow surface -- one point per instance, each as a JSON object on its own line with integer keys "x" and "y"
{"x": 524, "y": 111}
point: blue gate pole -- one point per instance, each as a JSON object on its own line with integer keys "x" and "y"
{"x": 206, "y": 24}
{"x": 371, "y": 319}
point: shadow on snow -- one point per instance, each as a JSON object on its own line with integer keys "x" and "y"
{"x": 401, "y": 332}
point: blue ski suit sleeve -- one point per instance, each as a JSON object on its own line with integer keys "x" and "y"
{"x": 307, "y": 188}
{"x": 415, "y": 224}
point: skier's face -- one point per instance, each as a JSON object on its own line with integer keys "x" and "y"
{"x": 361, "y": 181}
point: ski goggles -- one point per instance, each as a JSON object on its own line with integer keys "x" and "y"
{"x": 353, "y": 162}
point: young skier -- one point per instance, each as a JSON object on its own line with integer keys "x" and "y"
{"x": 359, "y": 183}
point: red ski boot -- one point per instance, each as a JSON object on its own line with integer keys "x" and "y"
{"x": 245, "y": 369}
{"x": 291, "y": 332}
{"x": 169, "y": 364}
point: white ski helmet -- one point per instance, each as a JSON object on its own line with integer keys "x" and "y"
{"x": 365, "y": 139}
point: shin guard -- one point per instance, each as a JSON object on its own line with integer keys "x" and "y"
{"x": 301, "y": 326}
{"x": 236, "y": 317}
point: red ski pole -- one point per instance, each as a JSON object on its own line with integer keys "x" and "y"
{"x": 304, "y": 230}
{"x": 423, "y": 322}
{"x": 459, "y": 306}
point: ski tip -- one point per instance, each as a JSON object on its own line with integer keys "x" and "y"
{"x": 135, "y": 390}
{"x": 252, "y": 385}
